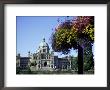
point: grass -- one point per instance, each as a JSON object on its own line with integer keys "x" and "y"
{"x": 53, "y": 72}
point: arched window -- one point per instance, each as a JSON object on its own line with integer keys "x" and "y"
{"x": 44, "y": 50}
{"x": 52, "y": 66}
{"x": 45, "y": 64}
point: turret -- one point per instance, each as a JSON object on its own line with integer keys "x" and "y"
{"x": 18, "y": 56}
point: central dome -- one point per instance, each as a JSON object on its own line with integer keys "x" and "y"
{"x": 43, "y": 47}
{"x": 43, "y": 43}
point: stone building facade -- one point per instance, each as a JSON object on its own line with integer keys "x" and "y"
{"x": 44, "y": 59}
{"x": 22, "y": 62}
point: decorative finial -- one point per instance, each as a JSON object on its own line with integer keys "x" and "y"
{"x": 43, "y": 39}
{"x": 28, "y": 51}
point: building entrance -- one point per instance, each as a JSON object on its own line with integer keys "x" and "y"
{"x": 45, "y": 64}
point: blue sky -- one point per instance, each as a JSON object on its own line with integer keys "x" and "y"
{"x": 32, "y": 29}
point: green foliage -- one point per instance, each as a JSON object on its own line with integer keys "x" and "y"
{"x": 74, "y": 63}
{"x": 71, "y": 33}
{"x": 63, "y": 39}
{"x": 28, "y": 70}
{"x": 17, "y": 70}
{"x": 88, "y": 59}
{"x": 33, "y": 63}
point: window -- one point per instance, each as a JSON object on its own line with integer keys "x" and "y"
{"x": 44, "y": 50}
{"x": 52, "y": 66}
{"x": 43, "y": 56}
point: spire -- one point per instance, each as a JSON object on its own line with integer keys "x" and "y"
{"x": 43, "y": 39}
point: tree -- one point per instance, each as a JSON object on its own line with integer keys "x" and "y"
{"x": 74, "y": 64}
{"x": 18, "y": 70}
{"x": 88, "y": 59}
{"x": 75, "y": 33}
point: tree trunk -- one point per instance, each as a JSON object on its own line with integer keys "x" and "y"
{"x": 80, "y": 60}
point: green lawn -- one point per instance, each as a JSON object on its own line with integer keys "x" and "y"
{"x": 53, "y": 72}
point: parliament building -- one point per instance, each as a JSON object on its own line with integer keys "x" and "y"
{"x": 43, "y": 59}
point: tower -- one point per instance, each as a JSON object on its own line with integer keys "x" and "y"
{"x": 44, "y": 60}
